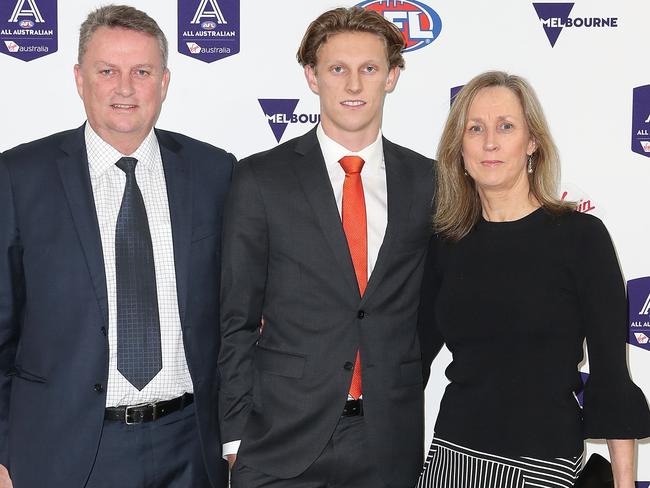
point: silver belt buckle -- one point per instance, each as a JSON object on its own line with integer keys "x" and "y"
{"x": 126, "y": 412}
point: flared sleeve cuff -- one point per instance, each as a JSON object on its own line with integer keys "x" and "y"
{"x": 615, "y": 411}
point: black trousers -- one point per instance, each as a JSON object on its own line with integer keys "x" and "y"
{"x": 344, "y": 463}
{"x": 165, "y": 453}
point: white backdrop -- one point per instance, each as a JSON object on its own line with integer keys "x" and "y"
{"x": 585, "y": 83}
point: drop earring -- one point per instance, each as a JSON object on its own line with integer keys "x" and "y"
{"x": 530, "y": 164}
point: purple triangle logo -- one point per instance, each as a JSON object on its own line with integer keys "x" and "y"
{"x": 553, "y": 17}
{"x": 278, "y": 113}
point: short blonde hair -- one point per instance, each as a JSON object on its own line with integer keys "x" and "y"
{"x": 353, "y": 19}
{"x": 458, "y": 206}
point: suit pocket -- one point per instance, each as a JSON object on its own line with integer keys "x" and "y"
{"x": 20, "y": 372}
{"x": 204, "y": 231}
{"x": 279, "y": 363}
{"x": 410, "y": 373}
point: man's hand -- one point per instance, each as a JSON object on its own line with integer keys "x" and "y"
{"x": 5, "y": 480}
{"x": 231, "y": 461}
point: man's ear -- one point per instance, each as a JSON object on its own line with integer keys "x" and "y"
{"x": 391, "y": 81}
{"x": 164, "y": 84}
{"x": 312, "y": 80}
{"x": 79, "y": 80}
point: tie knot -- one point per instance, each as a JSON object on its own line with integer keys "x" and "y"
{"x": 351, "y": 164}
{"x": 127, "y": 165}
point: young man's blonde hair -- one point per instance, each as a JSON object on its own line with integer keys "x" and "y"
{"x": 353, "y": 19}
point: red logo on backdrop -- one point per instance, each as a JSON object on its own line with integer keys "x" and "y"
{"x": 419, "y": 23}
{"x": 584, "y": 203}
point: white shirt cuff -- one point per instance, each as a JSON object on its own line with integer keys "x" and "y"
{"x": 230, "y": 448}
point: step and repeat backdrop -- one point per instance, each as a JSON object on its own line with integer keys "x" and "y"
{"x": 235, "y": 83}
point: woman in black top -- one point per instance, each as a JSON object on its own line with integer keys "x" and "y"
{"x": 514, "y": 283}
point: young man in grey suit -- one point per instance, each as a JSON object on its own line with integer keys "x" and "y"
{"x": 109, "y": 281}
{"x": 324, "y": 241}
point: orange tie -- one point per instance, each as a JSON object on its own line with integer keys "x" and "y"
{"x": 353, "y": 215}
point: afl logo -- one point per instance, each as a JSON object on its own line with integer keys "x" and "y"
{"x": 26, "y": 24}
{"x": 209, "y": 25}
{"x": 419, "y": 23}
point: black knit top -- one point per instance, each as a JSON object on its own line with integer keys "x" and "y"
{"x": 514, "y": 302}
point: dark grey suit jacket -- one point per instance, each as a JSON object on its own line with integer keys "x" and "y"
{"x": 54, "y": 309}
{"x": 285, "y": 257}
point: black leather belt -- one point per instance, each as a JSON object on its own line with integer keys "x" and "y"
{"x": 352, "y": 408}
{"x": 147, "y": 412}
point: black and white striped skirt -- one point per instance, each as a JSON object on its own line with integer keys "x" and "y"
{"x": 449, "y": 465}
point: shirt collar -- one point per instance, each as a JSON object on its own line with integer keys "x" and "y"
{"x": 102, "y": 156}
{"x": 372, "y": 155}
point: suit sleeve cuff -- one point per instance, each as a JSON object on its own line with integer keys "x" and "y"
{"x": 230, "y": 448}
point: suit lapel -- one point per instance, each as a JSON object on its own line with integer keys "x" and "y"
{"x": 312, "y": 173}
{"x": 398, "y": 178}
{"x": 75, "y": 176}
{"x": 177, "y": 179}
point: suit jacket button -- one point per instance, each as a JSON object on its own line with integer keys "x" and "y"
{"x": 348, "y": 365}
{"x": 361, "y": 314}
{"x": 103, "y": 330}
{"x": 98, "y": 388}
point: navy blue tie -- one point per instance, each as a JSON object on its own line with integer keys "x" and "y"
{"x": 139, "y": 356}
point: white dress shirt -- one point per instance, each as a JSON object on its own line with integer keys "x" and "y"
{"x": 108, "y": 182}
{"x": 373, "y": 178}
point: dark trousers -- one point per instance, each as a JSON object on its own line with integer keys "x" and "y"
{"x": 165, "y": 453}
{"x": 345, "y": 463}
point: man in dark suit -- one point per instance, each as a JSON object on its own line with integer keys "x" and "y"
{"x": 324, "y": 241}
{"x": 109, "y": 276}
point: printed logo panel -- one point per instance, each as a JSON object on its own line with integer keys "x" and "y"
{"x": 584, "y": 203}
{"x": 420, "y": 24}
{"x": 641, "y": 120}
{"x": 208, "y": 30}
{"x": 554, "y": 17}
{"x": 638, "y": 299}
{"x": 453, "y": 92}
{"x": 28, "y": 28}
{"x": 280, "y": 113}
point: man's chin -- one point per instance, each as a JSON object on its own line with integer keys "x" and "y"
{"x": 349, "y": 124}
{"x": 127, "y": 130}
